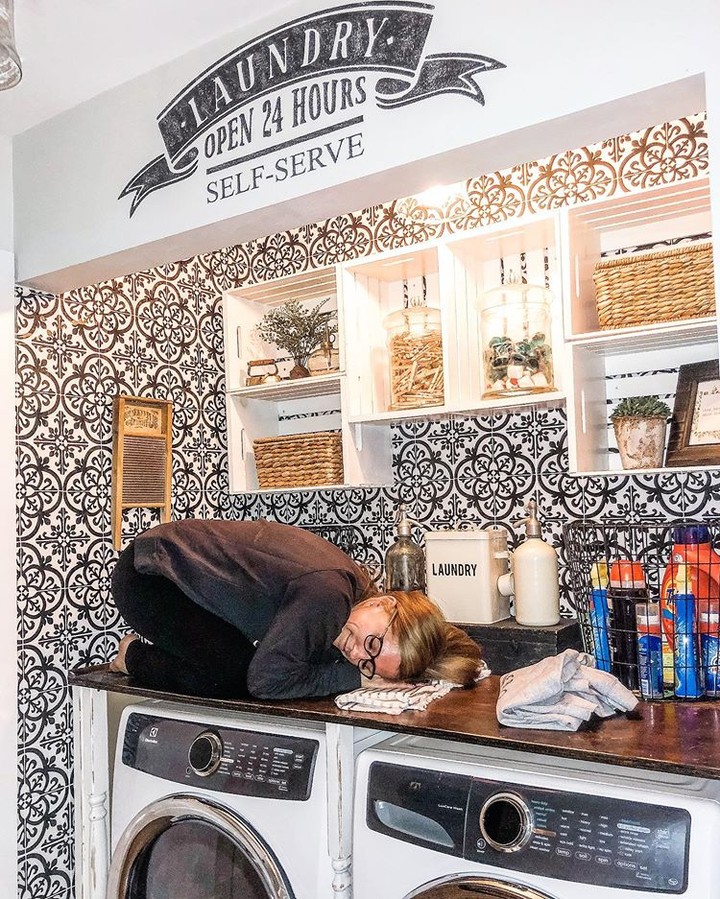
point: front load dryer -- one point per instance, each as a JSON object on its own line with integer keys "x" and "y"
{"x": 444, "y": 820}
{"x": 209, "y": 804}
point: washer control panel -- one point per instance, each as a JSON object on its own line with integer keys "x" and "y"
{"x": 570, "y": 836}
{"x": 227, "y": 760}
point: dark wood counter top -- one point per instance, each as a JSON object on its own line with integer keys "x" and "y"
{"x": 663, "y": 736}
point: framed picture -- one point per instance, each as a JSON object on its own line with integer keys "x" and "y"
{"x": 695, "y": 428}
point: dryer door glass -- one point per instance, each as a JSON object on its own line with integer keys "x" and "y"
{"x": 184, "y": 847}
{"x": 192, "y": 860}
{"x": 469, "y": 887}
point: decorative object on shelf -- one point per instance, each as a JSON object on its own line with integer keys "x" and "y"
{"x": 141, "y": 458}
{"x": 10, "y": 68}
{"x": 666, "y": 286}
{"x": 261, "y": 371}
{"x": 299, "y": 460}
{"x": 640, "y": 423}
{"x": 517, "y": 355}
{"x": 414, "y": 339}
{"x": 695, "y": 428}
{"x": 299, "y": 329}
{"x": 326, "y": 358}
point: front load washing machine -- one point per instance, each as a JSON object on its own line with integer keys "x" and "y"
{"x": 207, "y": 804}
{"x": 443, "y": 820}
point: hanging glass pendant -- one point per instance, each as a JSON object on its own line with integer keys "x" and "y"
{"x": 10, "y": 69}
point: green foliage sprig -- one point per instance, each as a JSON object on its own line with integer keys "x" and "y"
{"x": 297, "y": 328}
{"x": 641, "y": 407}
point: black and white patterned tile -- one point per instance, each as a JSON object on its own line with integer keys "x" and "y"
{"x": 159, "y": 333}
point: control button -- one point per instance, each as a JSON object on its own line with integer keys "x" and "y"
{"x": 481, "y": 844}
{"x": 583, "y": 856}
{"x": 565, "y": 853}
{"x": 628, "y": 866}
{"x": 602, "y": 859}
{"x": 205, "y": 753}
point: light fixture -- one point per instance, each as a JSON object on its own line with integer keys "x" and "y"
{"x": 436, "y": 206}
{"x": 10, "y": 70}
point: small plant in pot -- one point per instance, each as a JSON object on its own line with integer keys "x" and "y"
{"x": 299, "y": 329}
{"x": 640, "y": 423}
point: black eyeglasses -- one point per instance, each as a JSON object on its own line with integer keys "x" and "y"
{"x": 373, "y": 645}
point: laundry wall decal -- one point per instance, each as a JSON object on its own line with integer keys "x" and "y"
{"x": 303, "y": 85}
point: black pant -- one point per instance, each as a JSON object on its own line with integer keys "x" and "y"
{"x": 191, "y": 650}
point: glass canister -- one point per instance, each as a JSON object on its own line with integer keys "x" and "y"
{"x": 414, "y": 341}
{"x": 516, "y": 327}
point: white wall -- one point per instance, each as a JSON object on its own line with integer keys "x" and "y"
{"x": 559, "y": 65}
{"x": 8, "y": 670}
{"x": 6, "y": 196}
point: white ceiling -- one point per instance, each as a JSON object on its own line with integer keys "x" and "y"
{"x": 72, "y": 50}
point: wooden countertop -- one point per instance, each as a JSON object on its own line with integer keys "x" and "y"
{"x": 662, "y": 736}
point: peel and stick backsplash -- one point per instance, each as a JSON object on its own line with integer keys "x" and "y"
{"x": 159, "y": 333}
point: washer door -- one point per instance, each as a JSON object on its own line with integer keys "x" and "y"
{"x": 472, "y": 886}
{"x": 185, "y": 847}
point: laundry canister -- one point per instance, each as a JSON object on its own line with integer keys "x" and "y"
{"x": 465, "y": 571}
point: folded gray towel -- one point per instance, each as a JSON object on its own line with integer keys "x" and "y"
{"x": 560, "y": 692}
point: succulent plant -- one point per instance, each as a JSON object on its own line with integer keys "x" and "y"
{"x": 641, "y": 407}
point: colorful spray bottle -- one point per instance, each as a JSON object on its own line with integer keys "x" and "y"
{"x": 688, "y": 675}
{"x": 600, "y": 615}
{"x": 692, "y": 548}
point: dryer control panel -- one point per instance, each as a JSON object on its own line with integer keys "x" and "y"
{"x": 228, "y": 760}
{"x": 579, "y": 837}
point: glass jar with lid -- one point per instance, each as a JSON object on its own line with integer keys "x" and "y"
{"x": 516, "y": 327}
{"x": 414, "y": 342}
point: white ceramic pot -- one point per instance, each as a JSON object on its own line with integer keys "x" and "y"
{"x": 641, "y": 441}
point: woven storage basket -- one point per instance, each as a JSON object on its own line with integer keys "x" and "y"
{"x": 299, "y": 460}
{"x": 655, "y": 287}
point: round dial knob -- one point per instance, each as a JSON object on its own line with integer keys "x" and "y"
{"x": 506, "y": 822}
{"x": 205, "y": 753}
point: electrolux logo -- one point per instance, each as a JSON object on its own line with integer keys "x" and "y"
{"x": 290, "y": 101}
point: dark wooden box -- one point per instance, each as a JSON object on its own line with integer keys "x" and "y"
{"x": 508, "y": 645}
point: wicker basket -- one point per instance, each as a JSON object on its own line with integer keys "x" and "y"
{"x": 299, "y": 460}
{"x": 655, "y": 287}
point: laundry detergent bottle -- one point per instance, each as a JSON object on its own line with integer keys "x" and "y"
{"x": 692, "y": 549}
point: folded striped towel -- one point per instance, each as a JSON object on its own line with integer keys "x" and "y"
{"x": 394, "y": 700}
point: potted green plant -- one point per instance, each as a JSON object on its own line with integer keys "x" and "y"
{"x": 299, "y": 329}
{"x": 640, "y": 423}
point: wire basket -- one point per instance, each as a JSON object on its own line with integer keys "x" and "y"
{"x": 648, "y": 602}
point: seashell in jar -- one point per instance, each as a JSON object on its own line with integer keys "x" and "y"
{"x": 515, "y": 372}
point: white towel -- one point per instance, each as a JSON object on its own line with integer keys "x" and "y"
{"x": 560, "y": 692}
{"x": 394, "y": 700}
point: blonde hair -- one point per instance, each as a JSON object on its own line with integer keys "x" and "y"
{"x": 430, "y": 647}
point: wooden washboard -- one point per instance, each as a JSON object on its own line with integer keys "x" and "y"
{"x": 141, "y": 459}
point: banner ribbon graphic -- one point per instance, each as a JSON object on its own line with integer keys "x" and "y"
{"x": 385, "y": 37}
